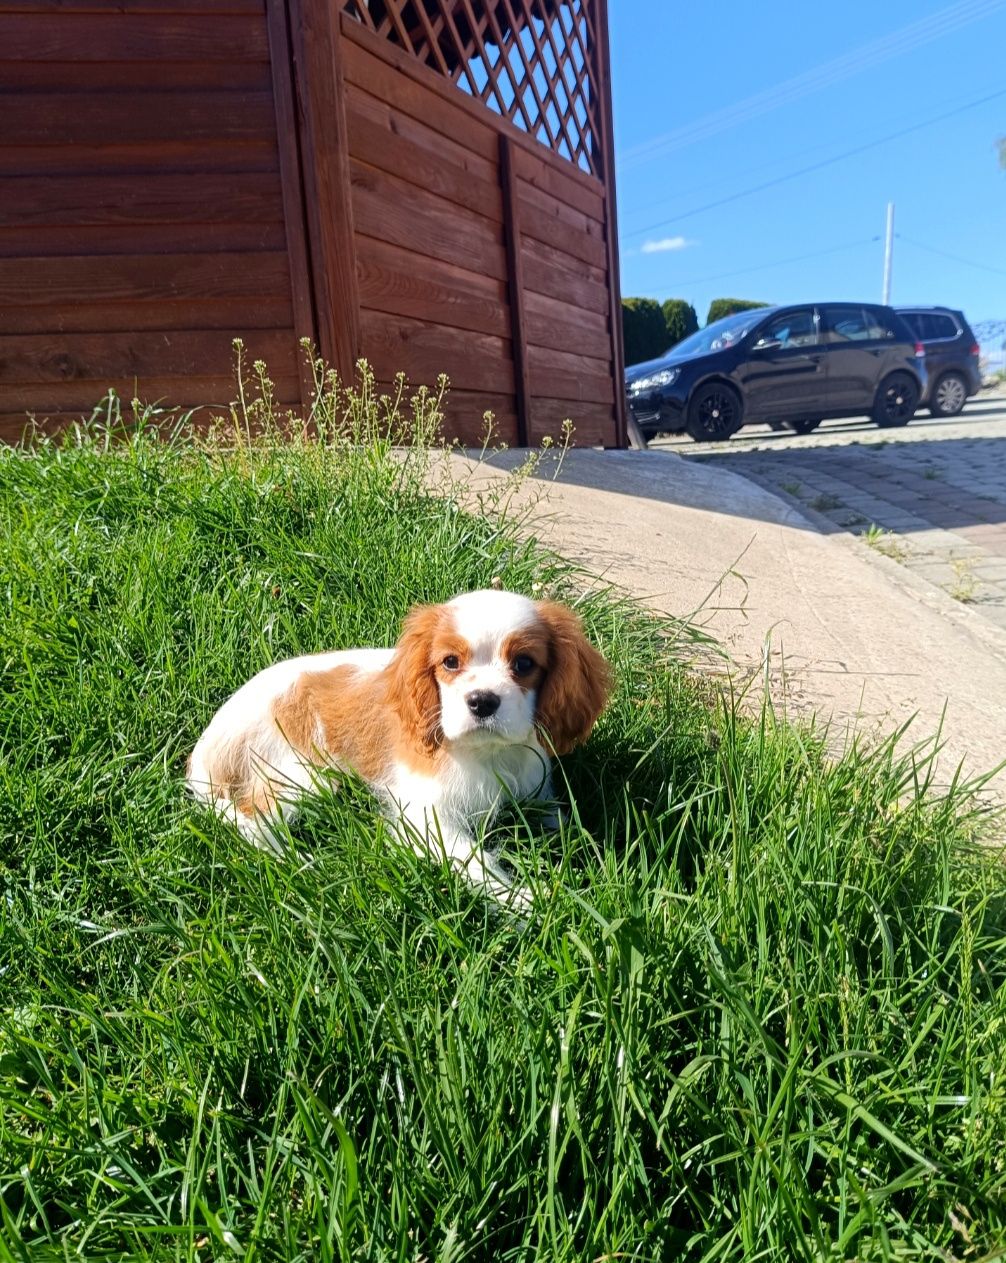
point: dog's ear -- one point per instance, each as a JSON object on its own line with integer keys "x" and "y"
{"x": 413, "y": 692}
{"x": 577, "y": 682}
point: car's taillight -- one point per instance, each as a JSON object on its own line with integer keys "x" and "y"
{"x": 919, "y": 349}
{"x": 975, "y": 350}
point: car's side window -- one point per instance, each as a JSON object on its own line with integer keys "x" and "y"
{"x": 879, "y": 324}
{"x": 846, "y": 324}
{"x": 794, "y": 329}
{"x": 943, "y": 327}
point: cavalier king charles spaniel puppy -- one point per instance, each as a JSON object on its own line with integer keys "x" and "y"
{"x": 460, "y": 715}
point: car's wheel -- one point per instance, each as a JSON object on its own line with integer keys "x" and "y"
{"x": 949, "y": 396}
{"x": 803, "y": 427}
{"x": 896, "y": 399}
{"x": 715, "y": 412}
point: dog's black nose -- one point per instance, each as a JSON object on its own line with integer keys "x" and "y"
{"x": 482, "y": 703}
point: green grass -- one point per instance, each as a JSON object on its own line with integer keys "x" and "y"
{"x": 759, "y": 1011}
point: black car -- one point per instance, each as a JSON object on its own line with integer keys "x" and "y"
{"x": 952, "y": 353}
{"x": 796, "y": 365}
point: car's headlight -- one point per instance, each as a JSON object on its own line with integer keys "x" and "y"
{"x": 664, "y": 378}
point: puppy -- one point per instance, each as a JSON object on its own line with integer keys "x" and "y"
{"x": 461, "y": 714}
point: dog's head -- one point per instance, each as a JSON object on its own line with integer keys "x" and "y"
{"x": 490, "y": 667}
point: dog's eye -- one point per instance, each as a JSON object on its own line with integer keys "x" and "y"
{"x": 452, "y": 662}
{"x": 523, "y": 664}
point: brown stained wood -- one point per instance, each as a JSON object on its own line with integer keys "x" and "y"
{"x": 515, "y": 285}
{"x": 54, "y": 118}
{"x": 547, "y": 172}
{"x": 426, "y": 139}
{"x": 403, "y": 283}
{"x": 553, "y": 227}
{"x": 305, "y": 323}
{"x": 602, "y": 56}
{"x": 395, "y": 211}
{"x": 593, "y": 423}
{"x": 575, "y": 386}
{"x": 141, "y": 199}
{"x": 39, "y": 358}
{"x": 318, "y": 75}
{"x": 552, "y": 207}
{"x": 99, "y": 160}
{"x": 42, "y": 281}
{"x": 421, "y": 350}
{"x": 138, "y": 36}
{"x": 371, "y": 63}
{"x": 118, "y": 76}
{"x": 558, "y": 325}
{"x": 250, "y": 7}
{"x": 375, "y": 145}
{"x": 142, "y": 239}
{"x": 78, "y": 398}
{"x": 124, "y": 317}
{"x": 381, "y": 51}
{"x": 556, "y": 276}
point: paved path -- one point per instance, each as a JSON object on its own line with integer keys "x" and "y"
{"x": 931, "y": 496}
{"x": 831, "y": 627}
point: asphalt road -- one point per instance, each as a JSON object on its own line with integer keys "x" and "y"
{"x": 930, "y": 496}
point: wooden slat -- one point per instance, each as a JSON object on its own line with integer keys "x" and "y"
{"x": 41, "y": 281}
{"x": 548, "y": 173}
{"x": 139, "y": 36}
{"x": 305, "y": 323}
{"x": 98, "y": 160}
{"x": 401, "y": 282}
{"x": 415, "y": 131}
{"x": 370, "y": 70}
{"x": 92, "y": 357}
{"x": 386, "y": 151}
{"x": 393, "y": 210}
{"x": 593, "y": 423}
{"x": 133, "y": 199}
{"x": 80, "y": 119}
{"x": 547, "y": 219}
{"x": 556, "y": 275}
{"x": 464, "y": 414}
{"x": 78, "y": 398}
{"x": 565, "y": 327}
{"x": 384, "y": 53}
{"x": 233, "y": 315}
{"x": 472, "y": 361}
{"x": 143, "y": 239}
{"x": 567, "y": 376}
{"x": 515, "y": 286}
{"x": 318, "y": 71}
{"x": 252, "y": 7}
{"x": 118, "y": 76}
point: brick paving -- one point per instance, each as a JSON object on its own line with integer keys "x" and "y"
{"x": 931, "y": 496}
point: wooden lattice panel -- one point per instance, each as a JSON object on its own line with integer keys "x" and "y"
{"x": 531, "y": 61}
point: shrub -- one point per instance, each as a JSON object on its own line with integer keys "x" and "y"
{"x": 643, "y": 329}
{"x": 721, "y": 307}
{"x": 680, "y": 320}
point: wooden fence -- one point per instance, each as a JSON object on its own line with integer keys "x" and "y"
{"x": 381, "y": 178}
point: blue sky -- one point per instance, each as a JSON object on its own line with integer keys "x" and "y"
{"x": 712, "y": 100}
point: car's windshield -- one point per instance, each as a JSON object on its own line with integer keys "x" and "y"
{"x": 719, "y": 335}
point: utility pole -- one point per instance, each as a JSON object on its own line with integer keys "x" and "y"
{"x": 888, "y": 252}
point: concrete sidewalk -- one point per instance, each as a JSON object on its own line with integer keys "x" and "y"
{"x": 849, "y": 636}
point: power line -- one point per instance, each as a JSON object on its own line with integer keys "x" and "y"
{"x": 764, "y": 267}
{"x": 907, "y": 38}
{"x": 816, "y": 166}
{"x": 956, "y": 258}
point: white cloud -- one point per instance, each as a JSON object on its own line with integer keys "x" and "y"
{"x": 665, "y": 243}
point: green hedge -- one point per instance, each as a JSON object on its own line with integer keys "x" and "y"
{"x": 643, "y": 329}
{"x": 721, "y": 307}
{"x": 680, "y": 320}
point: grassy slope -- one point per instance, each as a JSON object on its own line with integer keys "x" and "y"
{"x": 760, "y": 1012}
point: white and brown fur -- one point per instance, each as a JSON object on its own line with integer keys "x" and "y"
{"x": 410, "y": 722}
